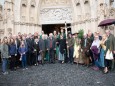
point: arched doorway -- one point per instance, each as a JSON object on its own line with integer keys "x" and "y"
{"x": 54, "y": 14}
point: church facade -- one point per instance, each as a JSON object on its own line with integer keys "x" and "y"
{"x": 30, "y": 16}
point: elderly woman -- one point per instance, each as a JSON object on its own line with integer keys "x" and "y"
{"x": 95, "y": 49}
{"x": 102, "y": 51}
{"x": 12, "y": 54}
{"x": 102, "y": 60}
{"x": 62, "y": 47}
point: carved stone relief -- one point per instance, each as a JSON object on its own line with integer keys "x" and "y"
{"x": 52, "y": 15}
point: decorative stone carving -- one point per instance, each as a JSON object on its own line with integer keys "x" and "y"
{"x": 55, "y": 15}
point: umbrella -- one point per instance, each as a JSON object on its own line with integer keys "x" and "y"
{"x": 107, "y": 22}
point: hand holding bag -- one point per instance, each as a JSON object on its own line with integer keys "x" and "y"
{"x": 109, "y": 55}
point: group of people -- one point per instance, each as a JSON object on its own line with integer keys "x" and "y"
{"x": 26, "y": 50}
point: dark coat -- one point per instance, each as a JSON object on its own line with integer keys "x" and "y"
{"x": 30, "y": 44}
{"x": 36, "y": 47}
{"x": 86, "y": 48}
{"x": 62, "y": 45}
{"x": 17, "y": 43}
{"x": 111, "y": 42}
{"x": 42, "y": 45}
{"x": 12, "y": 49}
{"x": 53, "y": 43}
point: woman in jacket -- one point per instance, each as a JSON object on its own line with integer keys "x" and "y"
{"x": 36, "y": 51}
{"x": 62, "y": 47}
{"x": 23, "y": 51}
{"x": 12, "y": 54}
{"x": 4, "y": 55}
{"x": 102, "y": 52}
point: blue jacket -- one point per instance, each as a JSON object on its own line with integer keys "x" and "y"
{"x": 12, "y": 49}
{"x": 22, "y": 50}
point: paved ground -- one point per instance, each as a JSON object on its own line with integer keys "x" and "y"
{"x": 57, "y": 75}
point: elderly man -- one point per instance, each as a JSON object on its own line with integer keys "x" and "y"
{"x": 51, "y": 48}
{"x": 111, "y": 45}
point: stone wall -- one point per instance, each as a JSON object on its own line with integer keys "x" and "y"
{"x": 27, "y": 16}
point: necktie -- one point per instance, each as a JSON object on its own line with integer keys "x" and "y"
{"x": 50, "y": 43}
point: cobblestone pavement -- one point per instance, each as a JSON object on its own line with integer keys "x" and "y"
{"x": 57, "y": 75}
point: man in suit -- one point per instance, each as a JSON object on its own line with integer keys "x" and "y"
{"x": 111, "y": 45}
{"x": 30, "y": 44}
{"x": 51, "y": 48}
{"x": 42, "y": 47}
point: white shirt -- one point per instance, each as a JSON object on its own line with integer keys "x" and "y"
{"x": 96, "y": 43}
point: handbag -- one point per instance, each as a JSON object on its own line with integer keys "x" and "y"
{"x": 109, "y": 55}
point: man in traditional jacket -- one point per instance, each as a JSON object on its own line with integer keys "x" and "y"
{"x": 111, "y": 45}
{"x": 85, "y": 45}
{"x": 70, "y": 47}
